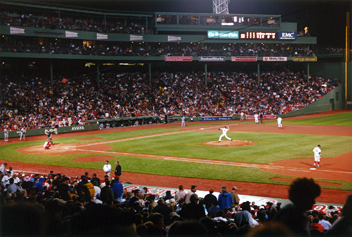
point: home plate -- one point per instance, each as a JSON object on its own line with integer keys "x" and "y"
{"x": 313, "y": 168}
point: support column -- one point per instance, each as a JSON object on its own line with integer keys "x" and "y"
{"x": 150, "y": 74}
{"x": 307, "y": 73}
{"x": 205, "y": 74}
{"x": 258, "y": 72}
{"x": 98, "y": 75}
{"x": 104, "y": 22}
{"x": 51, "y": 77}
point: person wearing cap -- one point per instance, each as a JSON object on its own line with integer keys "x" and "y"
{"x": 209, "y": 199}
{"x": 117, "y": 169}
{"x": 235, "y": 198}
{"x": 193, "y": 210}
{"x": 317, "y": 156}
{"x": 107, "y": 168}
{"x": 188, "y": 196}
{"x": 225, "y": 198}
{"x": 322, "y": 220}
{"x": 6, "y": 179}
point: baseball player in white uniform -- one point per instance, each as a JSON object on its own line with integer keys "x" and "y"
{"x": 224, "y": 133}
{"x": 23, "y": 133}
{"x": 183, "y": 121}
{"x": 107, "y": 168}
{"x": 6, "y": 134}
{"x": 317, "y": 156}
{"x": 256, "y": 118}
{"x": 242, "y": 116}
{"x": 279, "y": 122}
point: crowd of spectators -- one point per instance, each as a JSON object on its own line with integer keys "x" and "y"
{"x": 152, "y": 49}
{"x": 30, "y": 102}
{"x": 56, "y": 205}
{"x": 73, "y": 23}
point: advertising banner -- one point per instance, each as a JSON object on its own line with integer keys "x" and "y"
{"x": 287, "y": 35}
{"x": 216, "y": 118}
{"x": 251, "y": 117}
{"x": 305, "y": 59}
{"x": 70, "y": 34}
{"x": 15, "y": 30}
{"x": 274, "y": 59}
{"x": 217, "y": 34}
{"x": 178, "y": 58}
{"x": 257, "y": 35}
{"x": 102, "y": 36}
{"x": 243, "y": 59}
{"x": 136, "y": 37}
{"x": 173, "y": 38}
{"x": 211, "y": 59}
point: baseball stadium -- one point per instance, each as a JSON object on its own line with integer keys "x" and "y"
{"x": 245, "y": 102}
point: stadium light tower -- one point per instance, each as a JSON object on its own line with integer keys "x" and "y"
{"x": 221, "y": 6}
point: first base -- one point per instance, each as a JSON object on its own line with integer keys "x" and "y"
{"x": 313, "y": 168}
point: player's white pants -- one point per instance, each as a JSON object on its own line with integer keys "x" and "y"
{"x": 23, "y": 135}
{"x": 224, "y": 135}
{"x": 6, "y": 136}
{"x": 279, "y": 125}
{"x": 256, "y": 121}
{"x": 317, "y": 158}
{"x": 183, "y": 124}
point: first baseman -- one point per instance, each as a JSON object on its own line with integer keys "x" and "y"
{"x": 183, "y": 121}
{"x": 256, "y": 118}
{"x": 317, "y": 156}
{"x": 224, "y": 131}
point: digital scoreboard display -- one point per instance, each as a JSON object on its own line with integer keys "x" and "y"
{"x": 258, "y": 35}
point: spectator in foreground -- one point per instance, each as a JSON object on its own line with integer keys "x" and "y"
{"x": 302, "y": 193}
{"x": 343, "y": 225}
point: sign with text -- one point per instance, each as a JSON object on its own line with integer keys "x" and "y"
{"x": 70, "y": 34}
{"x": 136, "y": 37}
{"x": 287, "y": 35}
{"x": 102, "y": 36}
{"x": 218, "y": 34}
{"x": 274, "y": 59}
{"x": 178, "y": 58}
{"x": 264, "y": 117}
{"x": 304, "y": 59}
{"x": 258, "y": 35}
{"x": 243, "y": 59}
{"x": 216, "y": 118}
{"x": 173, "y": 38}
{"x": 15, "y": 30}
{"x": 211, "y": 59}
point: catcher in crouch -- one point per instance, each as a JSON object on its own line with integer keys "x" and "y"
{"x": 224, "y": 133}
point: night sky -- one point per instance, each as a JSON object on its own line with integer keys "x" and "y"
{"x": 326, "y": 19}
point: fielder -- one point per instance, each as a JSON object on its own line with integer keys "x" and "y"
{"x": 256, "y": 118}
{"x": 23, "y": 133}
{"x": 6, "y": 133}
{"x": 279, "y": 122}
{"x": 242, "y": 116}
{"x": 317, "y": 156}
{"x": 224, "y": 133}
{"x": 183, "y": 122}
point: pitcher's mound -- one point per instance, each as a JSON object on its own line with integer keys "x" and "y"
{"x": 230, "y": 143}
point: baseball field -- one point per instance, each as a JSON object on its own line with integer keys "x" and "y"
{"x": 261, "y": 160}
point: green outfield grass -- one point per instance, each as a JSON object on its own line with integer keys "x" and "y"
{"x": 343, "y": 119}
{"x": 269, "y": 147}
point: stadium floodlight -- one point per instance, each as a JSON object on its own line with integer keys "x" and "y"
{"x": 221, "y": 6}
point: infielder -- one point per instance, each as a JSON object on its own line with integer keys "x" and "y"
{"x": 279, "y": 120}
{"x": 242, "y": 116}
{"x": 317, "y": 156}
{"x": 224, "y": 133}
{"x": 256, "y": 118}
{"x": 183, "y": 121}
{"x": 23, "y": 133}
{"x": 6, "y": 134}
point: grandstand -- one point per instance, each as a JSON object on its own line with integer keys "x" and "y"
{"x": 70, "y": 68}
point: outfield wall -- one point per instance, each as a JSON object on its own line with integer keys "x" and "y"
{"x": 41, "y": 131}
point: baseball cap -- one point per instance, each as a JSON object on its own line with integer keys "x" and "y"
{"x": 211, "y": 190}
{"x": 318, "y": 145}
{"x": 193, "y": 186}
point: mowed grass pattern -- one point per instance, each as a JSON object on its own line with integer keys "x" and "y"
{"x": 269, "y": 147}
